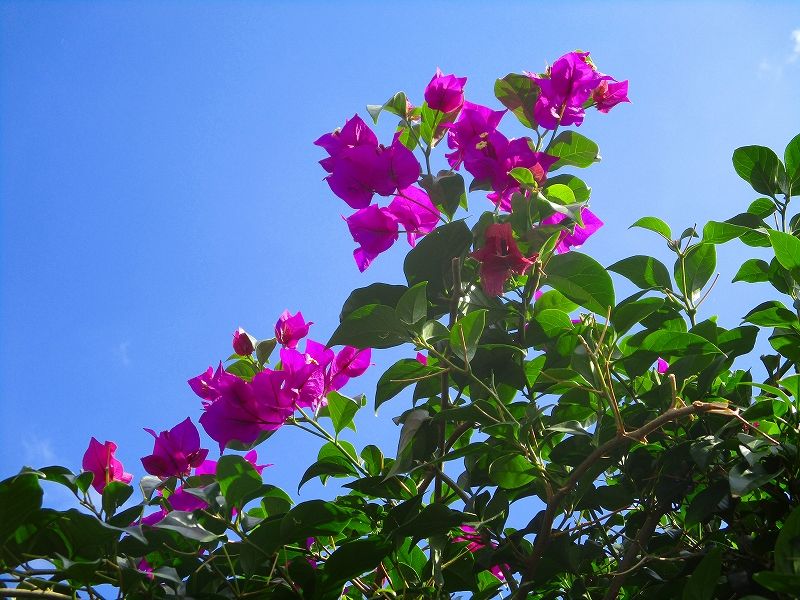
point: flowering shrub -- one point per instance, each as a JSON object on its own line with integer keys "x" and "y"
{"x": 556, "y": 442}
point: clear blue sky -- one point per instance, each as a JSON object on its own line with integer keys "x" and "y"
{"x": 159, "y": 185}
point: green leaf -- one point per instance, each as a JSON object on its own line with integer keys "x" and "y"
{"x": 264, "y": 350}
{"x": 705, "y": 504}
{"x": 518, "y": 93}
{"x": 581, "y": 279}
{"x": 787, "y": 249}
{"x": 702, "y": 583}
{"x": 787, "y": 557}
{"x": 553, "y": 322}
{"x": 772, "y": 314}
{"x": 114, "y": 495}
{"x": 400, "y": 375}
{"x": 561, "y": 194}
{"x": 186, "y": 524}
{"x": 511, "y": 471}
{"x": 554, "y": 299}
{"x": 719, "y": 232}
{"x": 466, "y": 333}
{"x": 237, "y": 479}
{"x": 397, "y": 105}
{"x": 627, "y": 313}
{"x": 792, "y": 159}
{"x": 413, "y": 305}
{"x": 697, "y": 267}
{"x": 342, "y": 410}
{"x": 760, "y": 167}
{"x": 654, "y": 224}
{"x": 580, "y": 190}
{"x": 643, "y": 271}
{"x": 446, "y": 190}
{"x": 373, "y": 459}
{"x": 335, "y": 466}
{"x": 313, "y": 518}
{"x": 377, "y": 293}
{"x": 761, "y": 207}
{"x": 431, "y": 259}
{"x": 573, "y": 149}
{"x": 676, "y": 343}
{"x": 778, "y": 582}
{"x": 356, "y": 557}
{"x": 753, "y": 270}
{"x": 372, "y": 326}
{"x": 395, "y": 487}
{"x": 20, "y": 496}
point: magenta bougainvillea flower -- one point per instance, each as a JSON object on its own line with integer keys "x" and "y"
{"x": 566, "y": 87}
{"x": 99, "y": 459}
{"x": 415, "y": 212}
{"x": 518, "y": 153}
{"x": 578, "y": 236}
{"x": 473, "y": 126}
{"x": 290, "y": 329}
{"x": 609, "y": 94}
{"x": 475, "y": 541}
{"x": 662, "y": 366}
{"x": 360, "y": 167}
{"x": 246, "y": 409}
{"x": 305, "y": 380}
{"x": 374, "y": 229}
{"x": 349, "y": 362}
{"x": 207, "y": 384}
{"x": 242, "y": 343}
{"x": 499, "y": 258}
{"x": 176, "y": 451}
{"x": 445, "y": 93}
{"x": 354, "y": 133}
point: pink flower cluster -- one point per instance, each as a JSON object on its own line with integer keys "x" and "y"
{"x": 359, "y": 168}
{"x": 180, "y": 499}
{"x": 239, "y": 410}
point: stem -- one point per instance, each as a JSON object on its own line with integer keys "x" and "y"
{"x": 639, "y": 544}
{"x": 619, "y": 441}
{"x": 327, "y": 436}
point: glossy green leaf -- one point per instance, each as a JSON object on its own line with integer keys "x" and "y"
{"x": 186, "y": 524}
{"x": 400, "y": 375}
{"x": 372, "y": 326}
{"x": 264, "y": 350}
{"x": 559, "y": 193}
{"x": 19, "y": 497}
{"x": 787, "y": 557}
{"x": 511, "y": 471}
{"x": 413, "y": 304}
{"x": 760, "y": 167}
{"x": 753, "y": 270}
{"x": 331, "y": 466}
{"x": 466, "y": 333}
{"x": 115, "y": 494}
{"x": 237, "y": 479}
{"x": 627, "y": 313}
{"x": 518, "y": 93}
{"x": 703, "y": 581}
{"x": 580, "y": 190}
{"x": 573, "y": 149}
{"x": 446, "y": 190}
{"x": 397, "y": 105}
{"x": 655, "y": 224}
{"x": 341, "y": 409}
{"x": 792, "y": 161}
{"x": 581, "y": 279}
{"x": 313, "y": 518}
{"x": 697, "y": 267}
{"x": 787, "y": 249}
{"x": 772, "y": 314}
{"x": 431, "y": 259}
{"x": 762, "y": 208}
{"x": 377, "y": 293}
{"x": 643, "y": 271}
{"x": 356, "y": 557}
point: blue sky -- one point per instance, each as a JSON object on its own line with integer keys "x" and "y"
{"x": 159, "y": 187}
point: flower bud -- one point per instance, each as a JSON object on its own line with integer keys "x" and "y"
{"x": 242, "y": 343}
